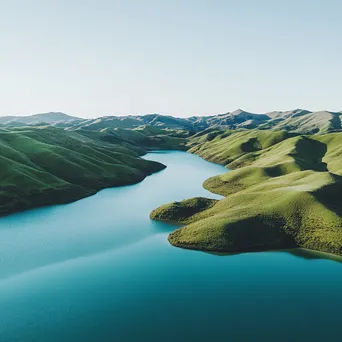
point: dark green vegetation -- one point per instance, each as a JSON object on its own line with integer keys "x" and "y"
{"x": 47, "y": 165}
{"x": 285, "y": 191}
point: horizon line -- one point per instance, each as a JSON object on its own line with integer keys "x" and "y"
{"x": 175, "y": 116}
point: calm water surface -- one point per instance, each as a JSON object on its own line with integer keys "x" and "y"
{"x": 100, "y": 270}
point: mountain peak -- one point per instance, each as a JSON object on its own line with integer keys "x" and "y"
{"x": 238, "y": 111}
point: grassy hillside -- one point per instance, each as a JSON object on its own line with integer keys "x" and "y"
{"x": 48, "y": 165}
{"x": 285, "y": 192}
{"x": 141, "y": 140}
{"x": 182, "y": 211}
{"x": 333, "y": 155}
{"x": 226, "y": 147}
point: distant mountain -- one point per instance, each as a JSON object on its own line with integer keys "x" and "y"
{"x": 232, "y": 120}
{"x": 304, "y": 121}
{"x": 48, "y": 118}
{"x": 133, "y": 121}
{"x": 297, "y": 121}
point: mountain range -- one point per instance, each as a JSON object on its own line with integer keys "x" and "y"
{"x": 297, "y": 121}
{"x": 48, "y": 118}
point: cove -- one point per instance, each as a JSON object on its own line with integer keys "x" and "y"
{"x": 100, "y": 270}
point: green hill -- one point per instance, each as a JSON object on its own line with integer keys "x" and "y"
{"x": 285, "y": 191}
{"x": 46, "y": 165}
{"x": 182, "y": 211}
{"x": 229, "y": 146}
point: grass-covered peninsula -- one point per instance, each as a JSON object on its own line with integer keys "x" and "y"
{"x": 285, "y": 191}
{"x": 41, "y": 165}
{"x": 181, "y": 212}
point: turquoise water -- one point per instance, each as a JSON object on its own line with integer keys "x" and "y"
{"x": 100, "y": 270}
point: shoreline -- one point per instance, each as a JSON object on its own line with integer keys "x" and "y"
{"x": 255, "y": 229}
{"x": 70, "y": 194}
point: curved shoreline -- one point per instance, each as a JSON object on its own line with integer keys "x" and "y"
{"x": 72, "y": 193}
{"x": 278, "y": 197}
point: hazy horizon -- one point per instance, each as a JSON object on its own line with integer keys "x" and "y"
{"x": 164, "y": 114}
{"x": 179, "y": 58}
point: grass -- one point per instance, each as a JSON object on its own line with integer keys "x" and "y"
{"x": 333, "y": 156}
{"x": 40, "y": 166}
{"x": 180, "y": 212}
{"x": 285, "y": 192}
{"x": 229, "y": 146}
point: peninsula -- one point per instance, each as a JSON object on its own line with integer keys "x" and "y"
{"x": 285, "y": 191}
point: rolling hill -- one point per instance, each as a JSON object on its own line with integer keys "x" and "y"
{"x": 285, "y": 191}
{"x": 48, "y": 165}
{"x": 279, "y": 158}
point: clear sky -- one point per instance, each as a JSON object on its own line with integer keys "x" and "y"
{"x": 94, "y": 57}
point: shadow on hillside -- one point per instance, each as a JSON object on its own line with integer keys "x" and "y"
{"x": 331, "y": 195}
{"x": 309, "y": 154}
{"x": 252, "y": 145}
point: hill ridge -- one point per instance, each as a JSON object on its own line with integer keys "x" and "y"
{"x": 300, "y": 121}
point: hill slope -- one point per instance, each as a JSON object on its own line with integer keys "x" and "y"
{"x": 40, "y": 166}
{"x": 285, "y": 192}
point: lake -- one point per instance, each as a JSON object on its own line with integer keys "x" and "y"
{"x": 100, "y": 270}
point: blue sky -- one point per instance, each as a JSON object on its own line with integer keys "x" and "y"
{"x": 179, "y": 57}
